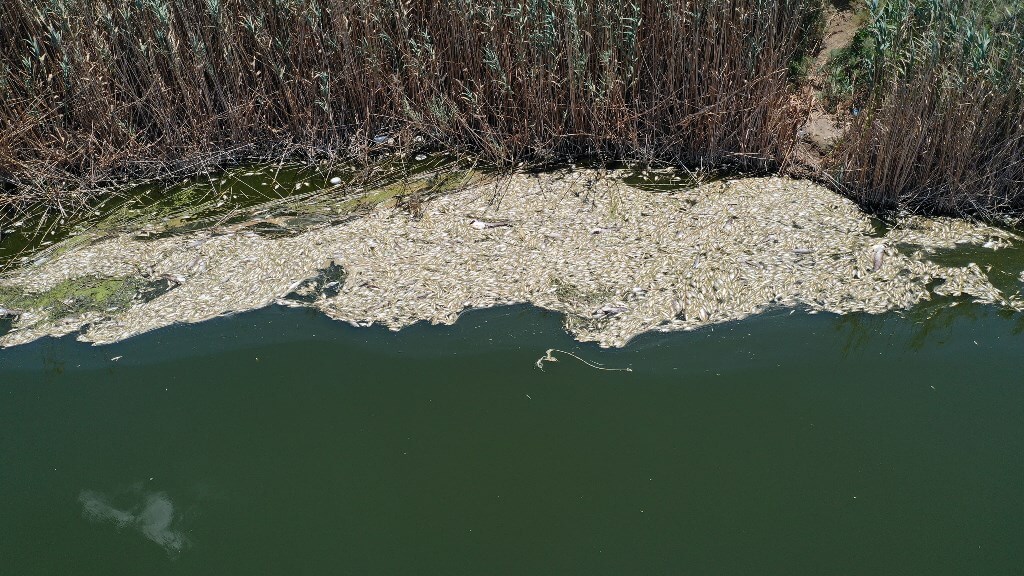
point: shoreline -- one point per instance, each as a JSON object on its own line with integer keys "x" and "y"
{"x": 616, "y": 260}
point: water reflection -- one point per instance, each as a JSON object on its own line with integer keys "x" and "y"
{"x": 52, "y": 359}
{"x": 921, "y": 326}
{"x": 152, "y": 515}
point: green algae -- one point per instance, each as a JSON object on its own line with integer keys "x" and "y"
{"x": 303, "y": 194}
{"x": 672, "y": 179}
{"x": 79, "y": 296}
{"x": 409, "y": 191}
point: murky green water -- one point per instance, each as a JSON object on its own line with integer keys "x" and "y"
{"x": 280, "y": 442}
{"x": 297, "y": 194}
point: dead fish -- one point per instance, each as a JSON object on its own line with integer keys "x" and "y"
{"x": 607, "y": 311}
{"x": 603, "y": 229}
{"x": 198, "y": 266}
{"x": 878, "y": 257}
{"x": 802, "y": 250}
{"x": 703, "y": 314}
{"x": 483, "y": 224}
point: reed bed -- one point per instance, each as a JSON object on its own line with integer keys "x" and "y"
{"x": 95, "y": 90}
{"x": 940, "y": 103}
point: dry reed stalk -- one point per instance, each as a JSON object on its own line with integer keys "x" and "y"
{"x": 92, "y": 90}
{"x": 942, "y": 128}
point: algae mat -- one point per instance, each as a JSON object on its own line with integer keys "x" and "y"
{"x": 615, "y": 260}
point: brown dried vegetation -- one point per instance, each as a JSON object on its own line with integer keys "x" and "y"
{"x": 96, "y": 91}
{"x": 92, "y": 90}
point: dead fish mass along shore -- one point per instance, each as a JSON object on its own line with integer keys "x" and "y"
{"x": 616, "y": 260}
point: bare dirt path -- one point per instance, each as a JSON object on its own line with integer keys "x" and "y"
{"x": 823, "y": 128}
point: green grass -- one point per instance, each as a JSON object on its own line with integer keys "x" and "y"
{"x": 845, "y": 74}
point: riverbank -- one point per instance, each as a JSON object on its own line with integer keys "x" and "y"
{"x": 615, "y": 259}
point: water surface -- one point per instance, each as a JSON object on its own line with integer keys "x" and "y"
{"x": 280, "y": 442}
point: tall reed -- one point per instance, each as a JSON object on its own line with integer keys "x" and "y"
{"x": 96, "y": 89}
{"x": 941, "y": 123}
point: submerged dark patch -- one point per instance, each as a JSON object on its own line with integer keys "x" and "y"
{"x": 326, "y": 284}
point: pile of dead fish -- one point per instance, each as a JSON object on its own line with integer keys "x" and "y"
{"x": 617, "y": 261}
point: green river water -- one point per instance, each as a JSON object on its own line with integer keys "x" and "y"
{"x": 280, "y": 442}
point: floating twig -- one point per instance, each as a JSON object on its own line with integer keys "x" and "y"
{"x": 549, "y": 358}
